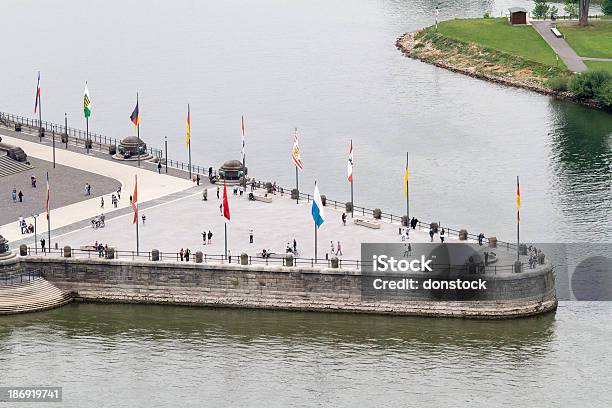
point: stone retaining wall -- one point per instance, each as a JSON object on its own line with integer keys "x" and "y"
{"x": 274, "y": 287}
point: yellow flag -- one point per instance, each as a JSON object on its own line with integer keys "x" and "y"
{"x": 406, "y": 181}
{"x": 188, "y": 137}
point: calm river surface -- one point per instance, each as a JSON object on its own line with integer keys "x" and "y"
{"x": 331, "y": 69}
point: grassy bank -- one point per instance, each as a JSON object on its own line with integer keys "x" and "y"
{"x": 497, "y": 34}
{"x": 594, "y": 40}
{"x": 599, "y": 65}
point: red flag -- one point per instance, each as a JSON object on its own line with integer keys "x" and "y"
{"x": 135, "y": 200}
{"x": 37, "y": 102}
{"x": 226, "y": 211}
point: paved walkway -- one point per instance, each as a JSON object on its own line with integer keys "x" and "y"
{"x": 596, "y": 59}
{"x": 560, "y": 46}
{"x": 150, "y": 185}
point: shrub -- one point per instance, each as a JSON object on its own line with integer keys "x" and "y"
{"x": 606, "y": 7}
{"x": 587, "y": 84}
{"x": 540, "y": 9}
{"x": 571, "y": 8}
{"x": 486, "y": 15}
{"x": 604, "y": 94}
{"x": 560, "y": 83}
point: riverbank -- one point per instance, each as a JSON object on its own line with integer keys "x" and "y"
{"x": 492, "y": 50}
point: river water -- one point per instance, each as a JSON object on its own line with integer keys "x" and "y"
{"x": 331, "y": 69}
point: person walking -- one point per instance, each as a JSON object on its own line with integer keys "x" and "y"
{"x": 344, "y": 219}
{"x": 20, "y": 195}
{"x": 33, "y": 181}
{"x": 187, "y": 253}
{"x": 181, "y": 254}
{"x": 14, "y": 195}
{"x": 431, "y": 234}
{"x": 442, "y": 236}
{"x": 294, "y": 246}
{"x": 130, "y": 199}
{"x": 221, "y": 209}
{"x": 210, "y": 235}
{"x": 217, "y": 192}
{"x": 197, "y": 179}
{"x": 333, "y": 250}
{"x": 102, "y": 202}
{"x": 119, "y": 193}
{"x": 339, "y": 249}
{"x": 42, "y": 244}
{"x": 204, "y": 237}
{"x": 144, "y": 218}
{"x": 250, "y": 236}
{"x": 480, "y": 238}
{"x": 159, "y": 166}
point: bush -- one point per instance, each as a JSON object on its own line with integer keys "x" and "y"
{"x": 604, "y": 94}
{"x": 540, "y": 9}
{"x": 571, "y": 8}
{"x": 486, "y": 15}
{"x": 606, "y": 7}
{"x": 586, "y": 85}
{"x": 560, "y": 83}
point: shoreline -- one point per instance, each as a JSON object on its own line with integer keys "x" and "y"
{"x": 408, "y": 44}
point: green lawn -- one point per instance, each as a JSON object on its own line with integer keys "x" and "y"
{"x": 606, "y": 66}
{"x": 497, "y": 33}
{"x": 595, "y": 40}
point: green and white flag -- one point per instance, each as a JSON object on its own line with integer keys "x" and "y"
{"x": 86, "y": 102}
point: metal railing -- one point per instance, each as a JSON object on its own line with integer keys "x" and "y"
{"x": 24, "y": 277}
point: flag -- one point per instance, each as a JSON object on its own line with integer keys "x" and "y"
{"x": 242, "y": 132}
{"x": 188, "y": 131}
{"x": 518, "y": 200}
{"x": 318, "y": 215}
{"x": 135, "y": 116}
{"x": 226, "y": 210}
{"x": 86, "y": 102}
{"x": 135, "y": 200}
{"x": 295, "y": 152}
{"x": 48, "y": 196}
{"x": 37, "y": 102}
{"x": 350, "y": 163}
{"x": 406, "y": 180}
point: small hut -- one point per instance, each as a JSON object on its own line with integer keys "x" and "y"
{"x": 518, "y": 15}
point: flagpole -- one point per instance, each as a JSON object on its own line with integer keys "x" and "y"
{"x": 225, "y": 227}
{"x": 53, "y": 133}
{"x": 87, "y": 123}
{"x": 137, "y": 238}
{"x": 39, "y": 111}
{"x": 352, "y": 177}
{"x": 189, "y": 144}
{"x": 48, "y": 216}
{"x": 518, "y": 224}
{"x": 407, "y": 195}
{"x": 138, "y": 151}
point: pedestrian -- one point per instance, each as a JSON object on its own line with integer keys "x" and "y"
{"x": 33, "y": 181}
{"x": 221, "y": 209}
{"x": 114, "y": 200}
{"x": 159, "y": 167}
{"x": 344, "y": 218}
{"x": 14, "y": 195}
{"x": 250, "y": 236}
{"x": 480, "y": 238}
{"x": 442, "y": 236}
{"x": 407, "y": 234}
{"x": 21, "y": 224}
{"x": 235, "y": 190}
{"x": 20, "y": 195}
{"x": 101, "y": 202}
{"x": 431, "y": 234}
{"x": 85, "y": 189}
{"x": 253, "y": 185}
{"x": 210, "y": 234}
{"x": 339, "y": 249}
{"x": 42, "y": 244}
{"x": 229, "y": 256}
{"x": 119, "y": 193}
{"x": 88, "y": 189}
{"x": 333, "y": 250}
{"x": 144, "y": 218}
{"x": 130, "y": 199}
{"x": 181, "y": 253}
{"x": 294, "y": 246}
{"x": 197, "y": 179}
{"x": 204, "y": 237}
{"x": 187, "y": 253}
{"x": 217, "y": 192}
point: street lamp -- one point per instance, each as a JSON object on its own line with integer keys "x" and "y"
{"x": 437, "y": 13}
{"x": 35, "y": 216}
{"x": 166, "y": 153}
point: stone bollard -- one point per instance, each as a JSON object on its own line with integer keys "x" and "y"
{"x": 377, "y": 213}
{"x": 64, "y": 138}
{"x": 334, "y": 262}
{"x": 155, "y": 255}
{"x": 463, "y": 235}
{"x": 110, "y": 253}
{"x": 295, "y": 193}
{"x": 17, "y": 127}
{"x": 244, "y": 259}
{"x": 67, "y": 251}
{"x": 23, "y": 250}
{"x": 289, "y": 260}
{"x": 492, "y": 242}
{"x": 199, "y": 257}
{"x": 348, "y": 207}
{"x": 434, "y": 226}
{"x": 522, "y": 249}
{"x": 41, "y": 132}
{"x": 404, "y": 221}
{"x": 112, "y": 150}
{"x": 518, "y": 267}
{"x": 323, "y": 200}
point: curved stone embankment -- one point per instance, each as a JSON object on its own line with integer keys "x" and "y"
{"x": 31, "y": 296}
{"x": 422, "y": 49}
{"x": 283, "y": 288}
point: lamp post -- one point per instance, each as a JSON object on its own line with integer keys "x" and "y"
{"x": 35, "y": 216}
{"x": 166, "y": 152}
{"x": 66, "y": 128}
{"x": 437, "y": 13}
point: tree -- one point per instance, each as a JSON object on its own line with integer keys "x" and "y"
{"x": 540, "y": 9}
{"x": 606, "y": 7}
{"x": 583, "y": 12}
{"x": 571, "y": 8}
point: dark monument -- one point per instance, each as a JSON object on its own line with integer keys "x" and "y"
{"x": 232, "y": 172}
{"x": 130, "y": 148}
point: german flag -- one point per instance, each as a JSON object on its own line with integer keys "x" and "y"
{"x": 135, "y": 116}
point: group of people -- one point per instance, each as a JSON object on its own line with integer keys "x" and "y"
{"x": 337, "y": 250}
{"x": 25, "y": 228}
{"x": 15, "y": 195}
{"x": 87, "y": 189}
{"x": 207, "y": 237}
{"x": 534, "y": 254}
{"x": 101, "y": 249}
{"x": 185, "y": 254}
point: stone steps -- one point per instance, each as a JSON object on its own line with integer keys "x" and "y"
{"x": 35, "y": 295}
{"x": 9, "y": 166}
